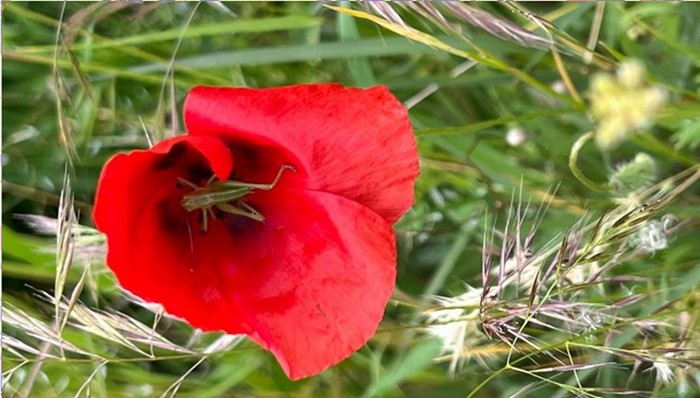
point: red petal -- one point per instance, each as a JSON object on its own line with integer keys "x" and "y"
{"x": 137, "y": 203}
{"x": 314, "y": 278}
{"x": 347, "y": 141}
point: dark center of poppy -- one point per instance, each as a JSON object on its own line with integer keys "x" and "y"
{"x": 226, "y": 196}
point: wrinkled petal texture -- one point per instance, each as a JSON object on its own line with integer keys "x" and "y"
{"x": 355, "y": 143}
{"x": 310, "y": 283}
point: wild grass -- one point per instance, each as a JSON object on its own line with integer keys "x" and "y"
{"x": 552, "y": 249}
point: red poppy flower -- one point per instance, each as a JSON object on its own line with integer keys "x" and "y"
{"x": 303, "y": 263}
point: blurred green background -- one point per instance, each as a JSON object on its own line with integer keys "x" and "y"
{"x": 83, "y": 81}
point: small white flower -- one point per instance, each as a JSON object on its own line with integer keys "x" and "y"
{"x": 622, "y": 104}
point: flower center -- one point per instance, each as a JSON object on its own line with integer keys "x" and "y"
{"x": 226, "y": 196}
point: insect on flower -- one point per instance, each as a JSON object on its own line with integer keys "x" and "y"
{"x": 225, "y": 195}
{"x": 310, "y": 283}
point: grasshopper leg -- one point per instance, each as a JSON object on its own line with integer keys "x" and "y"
{"x": 204, "y": 221}
{"x": 244, "y": 210}
{"x": 186, "y": 183}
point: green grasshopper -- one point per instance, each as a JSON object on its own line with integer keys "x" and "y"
{"x": 225, "y": 195}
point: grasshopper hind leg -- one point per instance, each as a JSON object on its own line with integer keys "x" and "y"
{"x": 241, "y": 208}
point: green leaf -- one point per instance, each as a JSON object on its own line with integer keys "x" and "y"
{"x": 417, "y": 359}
